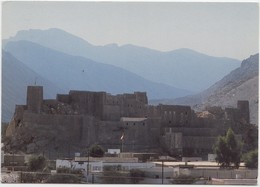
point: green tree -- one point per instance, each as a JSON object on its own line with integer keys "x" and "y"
{"x": 96, "y": 151}
{"x": 250, "y": 137}
{"x": 68, "y": 170}
{"x": 136, "y": 175}
{"x": 36, "y": 163}
{"x": 184, "y": 179}
{"x": 251, "y": 159}
{"x": 228, "y": 150}
{"x": 63, "y": 179}
{"x": 114, "y": 175}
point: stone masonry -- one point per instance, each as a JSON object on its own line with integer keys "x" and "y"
{"x": 73, "y": 122}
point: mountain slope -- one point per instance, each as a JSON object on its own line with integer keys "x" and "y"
{"x": 15, "y": 79}
{"x": 240, "y": 84}
{"x": 78, "y": 73}
{"x": 181, "y": 68}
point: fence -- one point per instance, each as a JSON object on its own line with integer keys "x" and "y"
{"x": 224, "y": 173}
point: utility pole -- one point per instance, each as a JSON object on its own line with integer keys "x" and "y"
{"x": 93, "y": 178}
{"x": 162, "y": 171}
{"x": 88, "y": 166}
{"x": 122, "y": 144}
{"x": 13, "y": 161}
{"x": 122, "y": 141}
{"x": 21, "y": 177}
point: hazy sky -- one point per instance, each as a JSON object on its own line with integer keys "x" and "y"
{"x": 218, "y": 29}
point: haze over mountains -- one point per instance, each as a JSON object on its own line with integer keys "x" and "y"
{"x": 15, "y": 79}
{"x": 240, "y": 84}
{"x": 78, "y": 73}
{"x": 183, "y": 68}
{"x": 27, "y": 62}
{"x": 61, "y": 62}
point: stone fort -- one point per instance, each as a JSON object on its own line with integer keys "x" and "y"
{"x": 73, "y": 122}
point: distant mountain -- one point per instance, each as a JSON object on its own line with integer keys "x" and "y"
{"x": 78, "y": 73}
{"x": 183, "y": 68}
{"x": 240, "y": 84}
{"x": 15, "y": 78}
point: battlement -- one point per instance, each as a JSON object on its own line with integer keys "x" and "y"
{"x": 239, "y": 113}
{"x": 90, "y": 117}
{"x": 34, "y": 98}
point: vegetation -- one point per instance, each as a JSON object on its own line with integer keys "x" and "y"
{"x": 63, "y": 178}
{"x": 251, "y": 159}
{"x": 96, "y": 151}
{"x": 68, "y": 170}
{"x": 32, "y": 177}
{"x": 36, "y": 163}
{"x": 228, "y": 150}
{"x": 136, "y": 175}
{"x": 183, "y": 179}
{"x": 64, "y": 175}
{"x": 250, "y": 137}
{"x": 114, "y": 175}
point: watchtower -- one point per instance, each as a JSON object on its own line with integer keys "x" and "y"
{"x": 34, "y": 98}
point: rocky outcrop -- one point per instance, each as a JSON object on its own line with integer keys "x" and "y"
{"x": 240, "y": 84}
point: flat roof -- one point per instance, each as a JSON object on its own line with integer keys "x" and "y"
{"x": 196, "y": 164}
{"x": 132, "y": 119}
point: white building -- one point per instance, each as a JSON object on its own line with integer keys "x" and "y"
{"x": 113, "y": 151}
{"x": 72, "y": 164}
{"x": 212, "y": 157}
{"x": 96, "y": 165}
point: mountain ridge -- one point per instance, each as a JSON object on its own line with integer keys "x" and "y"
{"x": 15, "y": 79}
{"x": 154, "y": 65}
{"x": 239, "y": 84}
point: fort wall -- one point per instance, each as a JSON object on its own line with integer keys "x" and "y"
{"x": 243, "y": 107}
{"x": 34, "y": 98}
{"x": 79, "y": 119}
{"x": 199, "y": 142}
{"x": 173, "y": 115}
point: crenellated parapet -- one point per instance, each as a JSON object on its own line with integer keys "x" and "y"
{"x": 81, "y": 118}
{"x": 34, "y": 98}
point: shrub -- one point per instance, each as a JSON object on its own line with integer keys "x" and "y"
{"x": 63, "y": 178}
{"x": 68, "y": 170}
{"x": 30, "y": 177}
{"x": 63, "y": 170}
{"x": 36, "y": 163}
{"x": 114, "y": 175}
{"x": 96, "y": 151}
{"x": 251, "y": 159}
{"x": 228, "y": 150}
{"x": 136, "y": 175}
{"x": 183, "y": 179}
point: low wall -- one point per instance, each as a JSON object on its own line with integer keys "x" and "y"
{"x": 191, "y": 159}
{"x": 14, "y": 160}
{"x": 224, "y": 173}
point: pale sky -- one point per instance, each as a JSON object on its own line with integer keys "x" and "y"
{"x": 217, "y": 29}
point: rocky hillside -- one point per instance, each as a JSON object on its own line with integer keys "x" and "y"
{"x": 240, "y": 84}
